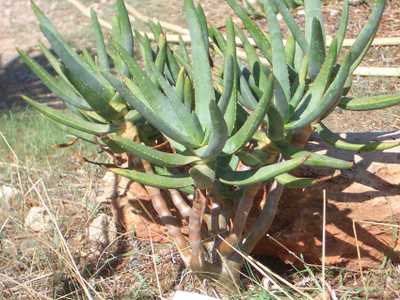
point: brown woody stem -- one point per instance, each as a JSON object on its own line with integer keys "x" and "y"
{"x": 166, "y": 217}
{"x": 180, "y": 203}
{"x": 265, "y": 219}
{"x": 239, "y": 220}
{"x": 195, "y": 222}
{"x": 243, "y": 210}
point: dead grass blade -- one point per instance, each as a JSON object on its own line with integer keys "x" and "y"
{"x": 269, "y": 274}
{"x": 84, "y": 284}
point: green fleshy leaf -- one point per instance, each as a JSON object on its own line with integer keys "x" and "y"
{"x": 69, "y": 120}
{"x": 180, "y": 85}
{"x": 217, "y": 38}
{"x": 125, "y": 29}
{"x": 290, "y": 50}
{"x": 292, "y": 25}
{"x": 313, "y": 11}
{"x": 231, "y": 82}
{"x": 229, "y": 78}
{"x": 256, "y": 158}
{"x": 319, "y": 106}
{"x": 189, "y": 190}
{"x": 100, "y": 46}
{"x": 91, "y": 85}
{"x": 161, "y": 57}
{"x": 203, "y": 176}
{"x": 369, "y": 102}
{"x": 336, "y": 141}
{"x": 314, "y": 159}
{"x": 58, "y": 86}
{"x": 183, "y": 53}
{"x": 150, "y": 154}
{"x": 293, "y": 182}
{"x": 344, "y": 21}
{"x": 172, "y": 64}
{"x": 166, "y": 182}
{"x": 259, "y": 36}
{"x": 246, "y": 132}
{"x": 154, "y": 118}
{"x": 279, "y": 63}
{"x": 171, "y": 110}
{"x": 84, "y": 136}
{"x": 313, "y": 97}
{"x": 251, "y": 53}
{"x": 218, "y": 135}
{"x": 360, "y": 46}
{"x": 317, "y": 49}
{"x": 183, "y": 113}
{"x": 202, "y": 80}
{"x": 54, "y": 62}
{"x": 263, "y": 174}
{"x": 188, "y": 94}
{"x": 275, "y": 124}
{"x": 203, "y": 24}
{"x": 299, "y": 93}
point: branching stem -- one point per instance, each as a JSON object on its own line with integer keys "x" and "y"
{"x": 265, "y": 219}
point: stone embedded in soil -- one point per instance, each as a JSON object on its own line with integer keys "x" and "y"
{"x": 102, "y": 231}
{"x": 38, "y": 220}
{"x": 7, "y": 194}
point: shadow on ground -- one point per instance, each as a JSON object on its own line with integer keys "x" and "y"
{"x": 369, "y": 192}
{"x": 16, "y": 80}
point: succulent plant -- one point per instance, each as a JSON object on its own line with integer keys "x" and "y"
{"x": 211, "y": 135}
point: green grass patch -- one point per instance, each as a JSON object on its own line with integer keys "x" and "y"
{"x": 32, "y": 138}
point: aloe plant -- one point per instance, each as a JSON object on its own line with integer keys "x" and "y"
{"x": 213, "y": 137}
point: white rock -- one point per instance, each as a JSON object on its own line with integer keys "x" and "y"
{"x": 181, "y": 295}
{"x": 267, "y": 283}
{"x": 107, "y": 188}
{"x": 102, "y": 231}
{"x": 7, "y": 193}
{"x": 38, "y": 220}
